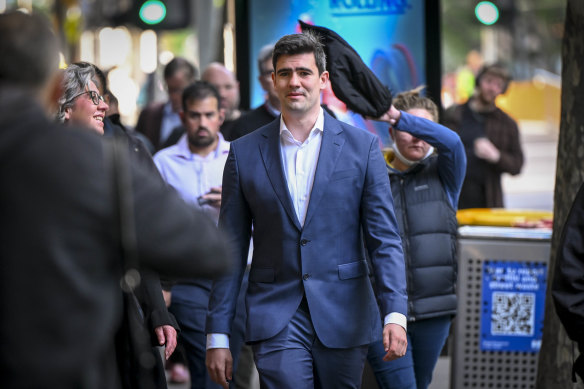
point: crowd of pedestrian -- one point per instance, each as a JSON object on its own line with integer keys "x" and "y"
{"x": 279, "y": 239}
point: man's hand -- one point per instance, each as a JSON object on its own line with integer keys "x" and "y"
{"x": 214, "y": 196}
{"x": 166, "y": 335}
{"x": 220, "y": 365}
{"x": 395, "y": 341}
{"x": 484, "y": 149}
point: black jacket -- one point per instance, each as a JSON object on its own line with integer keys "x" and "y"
{"x": 60, "y": 299}
{"x": 351, "y": 79}
{"x": 568, "y": 287}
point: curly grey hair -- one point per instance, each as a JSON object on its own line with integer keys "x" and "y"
{"x": 75, "y": 81}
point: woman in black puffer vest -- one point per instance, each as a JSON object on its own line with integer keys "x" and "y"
{"x": 425, "y": 187}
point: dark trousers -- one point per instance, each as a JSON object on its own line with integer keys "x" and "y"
{"x": 426, "y": 338}
{"x": 194, "y": 339}
{"x": 295, "y": 358}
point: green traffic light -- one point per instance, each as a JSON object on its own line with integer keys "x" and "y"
{"x": 152, "y": 12}
{"x": 487, "y": 12}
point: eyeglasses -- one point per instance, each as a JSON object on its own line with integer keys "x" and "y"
{"x": 93, "y": 95}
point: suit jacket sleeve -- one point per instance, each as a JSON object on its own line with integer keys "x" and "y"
{"x": 381, "y": 236}
{"x": 235, "y": 220}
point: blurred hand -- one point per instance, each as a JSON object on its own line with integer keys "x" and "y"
{"x": 395, "y": 341}
{"x": 166, "y": 336}
{"x": 220, "y": 366}
{"x": 214, "y": 196}
{"x": 484, "y": 149}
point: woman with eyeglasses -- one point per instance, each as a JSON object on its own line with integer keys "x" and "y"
{"x": 82, "y": 103}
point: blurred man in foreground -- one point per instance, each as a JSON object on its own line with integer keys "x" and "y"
{"x": 61, "y": 246}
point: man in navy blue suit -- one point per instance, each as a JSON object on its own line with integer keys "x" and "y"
{"x": 317, "y": 194}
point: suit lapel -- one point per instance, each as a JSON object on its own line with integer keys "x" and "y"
{"x": 270, "y": 152}
{"x": 330, "y": 149}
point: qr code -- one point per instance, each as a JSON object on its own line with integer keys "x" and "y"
{"x": 513, "y": 314}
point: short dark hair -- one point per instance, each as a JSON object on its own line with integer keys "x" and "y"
{"x": 306, "y": 42}
{"x": 178, "y": 64}
{"x": 29, "y": 50}
{"x": 200, "y": 90}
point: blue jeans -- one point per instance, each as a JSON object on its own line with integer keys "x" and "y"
{"x": 426, "y": 338}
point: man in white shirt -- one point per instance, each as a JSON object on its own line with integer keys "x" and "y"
{"x": 315, "y": 190}
{"x": 194, "y": 167}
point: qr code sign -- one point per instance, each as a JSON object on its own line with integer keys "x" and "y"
{"x": 513, "y": 314}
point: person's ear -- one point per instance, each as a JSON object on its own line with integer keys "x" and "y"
{"x": 324, "y": 78}
{"x": 67, "y": 114}
{"x": 221, "y": 115}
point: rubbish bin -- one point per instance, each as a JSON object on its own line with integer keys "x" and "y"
{"x": 502, "y": 275}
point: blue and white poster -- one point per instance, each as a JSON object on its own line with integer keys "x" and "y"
{"x": 513, "y": 296}
{"x": 389, "y": 35}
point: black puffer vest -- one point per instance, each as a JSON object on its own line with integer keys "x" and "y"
{"x": 428, "y": 229}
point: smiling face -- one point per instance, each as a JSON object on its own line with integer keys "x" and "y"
{"x": 84, "y": 112}
{"x": 298, "y": 84}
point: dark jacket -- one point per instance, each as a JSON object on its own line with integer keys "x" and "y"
{"x": 154, "y": 312}
{"x": 503, "y": 132}
{"x": 61, "y": 265}
{"x": 251, "y": 121}
{"x": 351, "y": 79}
{"x": 567, "y": 287}
{"x": 428, "y": 229}
{"x": 149, "y": 124}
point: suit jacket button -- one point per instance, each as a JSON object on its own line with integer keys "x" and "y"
{"x": 306, "y": 276}
{"x": 303, "y": 242}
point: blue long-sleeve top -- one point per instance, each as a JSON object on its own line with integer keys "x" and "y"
{"x": 451, "y": 155}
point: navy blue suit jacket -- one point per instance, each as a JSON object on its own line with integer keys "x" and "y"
{"x": 325, "y": 258}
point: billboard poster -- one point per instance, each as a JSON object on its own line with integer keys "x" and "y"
{"x": 389, "y": 35}
{"x": 513, "y": 301}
